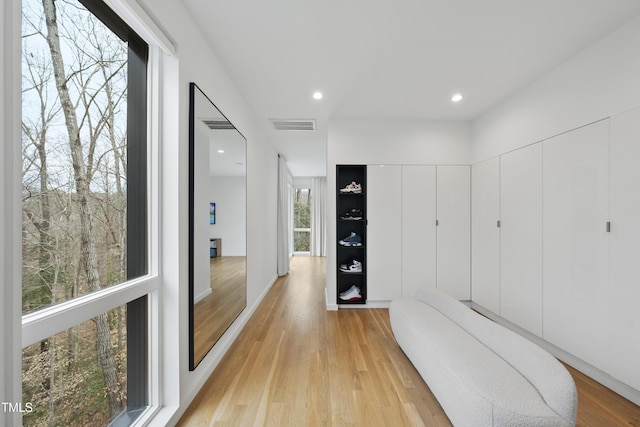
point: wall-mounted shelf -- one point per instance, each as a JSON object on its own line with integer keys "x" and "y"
{"x": 351, "y": 234}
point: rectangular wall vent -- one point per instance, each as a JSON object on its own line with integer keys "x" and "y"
{"x": 294, "y": 124}
{"x": 218, "y": 124}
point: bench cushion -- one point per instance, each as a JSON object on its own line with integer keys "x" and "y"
{"x": 474, "y": 386}
{"x": 541, "y": 369}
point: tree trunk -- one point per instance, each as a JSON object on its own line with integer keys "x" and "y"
{"x": 122, "y": 213}
{"x": 118, "y": 159}
{"x": 107, "y": 363}
{"x": 52, "y": 390}
{"x": 87, "y": 238}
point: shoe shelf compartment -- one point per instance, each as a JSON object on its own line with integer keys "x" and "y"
{"x": 351, "y": 233}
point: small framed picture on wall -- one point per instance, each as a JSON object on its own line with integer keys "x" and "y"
{"x": 212, "y": 213}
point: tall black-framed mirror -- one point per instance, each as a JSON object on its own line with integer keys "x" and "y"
{"x": 217, "y": 224}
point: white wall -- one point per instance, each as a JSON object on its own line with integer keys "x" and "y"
{"x": 397, "y": 142}
{"x": 201, "y": 262}
{"x": 196, "y": 62}
{"x": 600, "y": 81}
{"x": 229, "y": 195}
{"x": 386, "y": 142}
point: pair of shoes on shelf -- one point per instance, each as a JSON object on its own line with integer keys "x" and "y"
{"x": 351, "y": 294}
{"x": 352, "y": 188}
{"x": 354, "y": 267}
{"x": 351, "y": 240}
{"x": 352, "y": 214}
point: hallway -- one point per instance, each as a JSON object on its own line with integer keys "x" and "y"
{"x": 297, "y": 364}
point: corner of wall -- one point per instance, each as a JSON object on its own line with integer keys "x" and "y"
{"x": 600, "y": 81}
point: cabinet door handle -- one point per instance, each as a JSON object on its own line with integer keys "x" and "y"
{"x": 436, "y": 222}
{"x": 498, "y": 223}
{"x": 608, "y": 226}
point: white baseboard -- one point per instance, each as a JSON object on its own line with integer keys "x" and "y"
{"x": 202, "y": 295}
{"x": 330, "y": 307}
{"x": 369, "y": 304}
{"x": 377, "y": 304}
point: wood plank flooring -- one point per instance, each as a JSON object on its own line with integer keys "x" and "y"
{"x": 599, "y": 407}
{"x": 297, "y": 364}
{"x": 214, "y": 313}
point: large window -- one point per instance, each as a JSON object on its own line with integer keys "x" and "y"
{"x": 84, "y": 214}
{"x": 301, "y": 220}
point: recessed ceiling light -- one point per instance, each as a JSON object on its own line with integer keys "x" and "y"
{"x": 317, "y": 95}
{"x": 220, "y": 151}
{"x": 456, "y": 98}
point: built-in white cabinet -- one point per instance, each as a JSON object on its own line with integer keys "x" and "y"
{"x": 623, "y": 335}
{"x": 418, "y": 232}
{"x": 569, "y": 242}
{"x": 384, "y": 231}
{"x": 453, "y": 204}
{"x": 575, "y": 254}
{"x": 418, "y": 228}
{"x": 521, "y": 237}
{"x": 485, "y": 237}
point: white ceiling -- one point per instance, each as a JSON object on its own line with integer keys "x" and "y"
{"x": 391, "y": 59}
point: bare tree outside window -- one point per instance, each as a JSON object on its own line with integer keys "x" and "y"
{"x": 65, "y": 384}
{"x": 302, "y": 220}
{"x": 74, "y": 144}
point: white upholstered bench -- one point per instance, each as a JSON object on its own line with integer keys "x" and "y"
{"x": 481, "y": 373}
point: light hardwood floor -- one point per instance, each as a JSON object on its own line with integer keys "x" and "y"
{"x": 214, "y": 313}
{"x": 297, "y": 364}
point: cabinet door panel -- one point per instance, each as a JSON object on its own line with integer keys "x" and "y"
{"x": 624, "y": 289}
{"x": 485, "y": 237}
{"x": 521, "y": 238}
{"x": 383, "y": 232}
{"x": 454, "y": 231}
{"x": 575, "y": 211}
{"x": 418, "y": 229}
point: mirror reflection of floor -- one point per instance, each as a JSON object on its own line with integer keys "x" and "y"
{"x": 214, "y": 313}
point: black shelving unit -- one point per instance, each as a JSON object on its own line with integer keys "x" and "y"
{"x": 346, "y": 201}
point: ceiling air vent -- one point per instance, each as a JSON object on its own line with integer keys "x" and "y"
{"x": 218, "y": 124}
{"x": 294, "y": 124}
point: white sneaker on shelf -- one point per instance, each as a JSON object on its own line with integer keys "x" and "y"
{"x": 352, "y": 188}
{"x": 352, "y": 294}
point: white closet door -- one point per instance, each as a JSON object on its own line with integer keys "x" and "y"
{"x": 521, "y": 238}
{"x": 485, "y": 234}
{"x": 575, "y": 211}
{"x": 418, "y": 229}
{"x": 383, "y": 232}
{"x": 454, "y": 231}
{"x": 624, "y": 289}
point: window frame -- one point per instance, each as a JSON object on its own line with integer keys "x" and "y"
{"x": 140, "y": 291}
{"x": 10, "y": 217}
{"x": 293, "y": 221}
{"x": 162, "y": 54}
